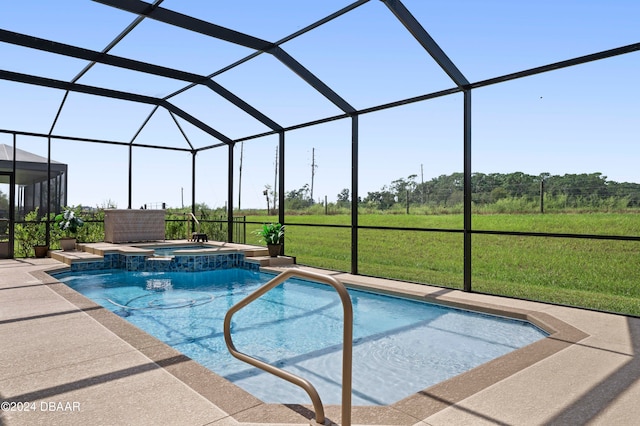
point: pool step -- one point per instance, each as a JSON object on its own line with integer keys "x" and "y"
{"x": 255, "y": 251}
{"x": 271, "y": 261}
{"x": 73, "y": 256}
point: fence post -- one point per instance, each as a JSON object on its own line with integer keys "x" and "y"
{"x": 407, "y": 201}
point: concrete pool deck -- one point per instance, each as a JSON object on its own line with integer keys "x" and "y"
{"x": 66, "y": 361}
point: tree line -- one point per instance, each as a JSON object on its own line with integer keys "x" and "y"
{"x": 585, "y": 190}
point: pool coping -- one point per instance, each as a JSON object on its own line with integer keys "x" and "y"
{"x": 244, "y": 407}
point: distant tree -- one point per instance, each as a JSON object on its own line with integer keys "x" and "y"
{"x": 442, "y": 187}
{"x": 581, "y": 189}
{"x": 631, "y": 191}
{"x": 483, "y": 187}
{"x": 401, "y": 187}
{"x": 270, "y": 196}
{"x": 299, "y": 199}
{"x": 382, "y": 200}
{"x": 498, "y": 194}
{"x": 590, "y": 190}
{"x": 343, "y": 198}
{"x": 108, "y": 204}
{"x": 519, "y": 184}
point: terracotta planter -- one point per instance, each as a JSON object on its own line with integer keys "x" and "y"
{"x": 68, "y": 244}
{"x": 41, "y": 251}
{"x": 4, "y": 249}
{"x": 274, "y": 249}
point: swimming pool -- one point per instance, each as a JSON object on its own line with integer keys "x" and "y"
{"x": 400, "y": 346}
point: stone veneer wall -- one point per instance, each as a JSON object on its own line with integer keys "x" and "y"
{"x": 126, "y": 226}
{"x": 187, "y": 263}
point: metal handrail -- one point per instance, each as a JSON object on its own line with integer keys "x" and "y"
{"x": 196, "y": 220}
{"x": 347, "y": 348}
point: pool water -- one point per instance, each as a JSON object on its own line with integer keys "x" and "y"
{"x": 163, "y": 251}
{"x": 401, "y": 346}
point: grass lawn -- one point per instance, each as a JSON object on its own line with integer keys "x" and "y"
{"x": 597, "y": 274}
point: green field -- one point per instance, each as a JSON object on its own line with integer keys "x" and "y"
{"x": 597, "y": 274}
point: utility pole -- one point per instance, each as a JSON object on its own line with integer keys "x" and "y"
{"x": 266, "y": 194}
{"x": 422, "y": 182}
{"x": 313, "y": 169}
{"x": 275, "y": 183}
{"x": 240, "y": 177}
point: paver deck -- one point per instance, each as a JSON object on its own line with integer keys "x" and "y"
{"x": 66, "y": 361}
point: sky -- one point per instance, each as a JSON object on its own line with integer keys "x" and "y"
{"x": 581, "y": 119}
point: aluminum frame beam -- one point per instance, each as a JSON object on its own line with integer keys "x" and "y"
{"x": 188, "y": 22}
{"x": 134, "y": 65}
{"x": 604, "y": 54}
{"x": 115, "y": 94}
{"x": 191, "y": 119}
{"x": 468, "y": 192}
{"x": 226, "y": 34}
{"x": 90, "y": 140}
{"x": 428, "y": 43}
{"x": 115, "y": 41}
{"x": 311, "y": 79}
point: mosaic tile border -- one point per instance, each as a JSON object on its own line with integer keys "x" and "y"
{"x": 186, "y": 263}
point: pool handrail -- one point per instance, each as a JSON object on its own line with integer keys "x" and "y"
{"x": 195, "y": 219}
{"x": 347, "y": 348}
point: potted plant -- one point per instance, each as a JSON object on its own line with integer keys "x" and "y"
{"x": 69, "y": 223}
{"x": 40, "y": 250}
{"x": 272, "y": 234}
